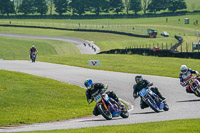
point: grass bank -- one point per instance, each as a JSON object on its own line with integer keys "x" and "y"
{"x": 18, "y": 48}
{"x": 176, "y": 126}
{"x": 27, "y": 99}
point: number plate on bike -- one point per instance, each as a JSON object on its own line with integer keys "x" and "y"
{"x": 97, "y": 98}
{"x": 143, "y": 92}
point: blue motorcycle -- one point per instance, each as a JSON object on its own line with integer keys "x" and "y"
{"x": 153, "y": 100}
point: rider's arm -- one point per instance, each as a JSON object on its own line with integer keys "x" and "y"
{"x": 148, "y": 83}
{"x": 135, "y": 95}
{"x": 89, "y": 98}
{"x": 194, "y": 72}
{"x": 181, "y": 81}
{"x": 101, "y": 86}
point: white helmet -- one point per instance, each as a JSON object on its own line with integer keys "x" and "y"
{"x": 184, "y": 69}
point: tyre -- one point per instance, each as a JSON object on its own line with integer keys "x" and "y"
{"x": 124, "y": 113}
{"x": 106, "y": 114}
{"x": 152, "y": 105}
{"x": 166, "y": 107}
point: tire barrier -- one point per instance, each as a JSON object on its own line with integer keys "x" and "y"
{"x": 84, "y": 30}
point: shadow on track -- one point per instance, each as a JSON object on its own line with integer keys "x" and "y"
{"x": 184, "y": 101}
{"x": 92, "y": 120}
{"x": 143, "y": 113}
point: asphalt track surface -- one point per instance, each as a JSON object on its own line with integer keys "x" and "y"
{"x": 88, "y": 48}
{"x": 182, "y": 105}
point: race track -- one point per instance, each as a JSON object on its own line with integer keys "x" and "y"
{"x": 182, "y": 105}
{"x": 88, "y": 48}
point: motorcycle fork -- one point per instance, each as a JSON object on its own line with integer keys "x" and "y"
{"x": 104, "y": 104}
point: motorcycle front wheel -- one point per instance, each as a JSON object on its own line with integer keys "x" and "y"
{"x": 152, "y": 105}
{"x": 124, "y": 113}
{"x": 106, "y": 114}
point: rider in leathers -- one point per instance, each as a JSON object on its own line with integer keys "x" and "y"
{"x": 32, "y": 49}
{"x": 184, "y": 77}
{"x": 95, "y": 88}
{"x": 140, "y": 84}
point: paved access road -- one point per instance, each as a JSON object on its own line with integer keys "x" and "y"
{"x": 88, "y": 48}
{"x": 182, "y": 105}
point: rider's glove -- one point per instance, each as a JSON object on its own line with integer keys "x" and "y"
{"x": 183, "y": 84}
{"x": 105, "y": 88}
{"x": 90, "y": 100}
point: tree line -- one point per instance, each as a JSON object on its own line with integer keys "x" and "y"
{"x": 80, "y": 7}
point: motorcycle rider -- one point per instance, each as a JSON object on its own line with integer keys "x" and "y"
{"x": 95, "y": 88}
{"x": 184, "y": 77}
{"x": 142, "y": 83}
{"x": 32, "y": 49}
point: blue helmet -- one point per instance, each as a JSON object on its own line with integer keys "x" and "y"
{"x": 88, "y": 83}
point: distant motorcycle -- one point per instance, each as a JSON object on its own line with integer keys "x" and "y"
{"x": 153, "y": 100}
{"x": 194, "y": 85}
{"x": 108, "y": 107}
{"x": 33, "y": 56}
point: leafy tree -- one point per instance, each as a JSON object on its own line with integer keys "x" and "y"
{"x": 41, "y": 6}
{"x": 79, "y": 6}
{"x": 61, "y": 6}
{"x": 135, "y": 5}
{"x": 116, "y": 5}
{"x": 98, "y": 6}
{"x": 51, "y": 6}
{"x": 7, "y": 7}
{"x": 158, "y": 5}
{"x": 145, "y": 4}
{"x": 177, "y": 5}
{"x": 127, "y": 5}
{"x": 27, "y": 7}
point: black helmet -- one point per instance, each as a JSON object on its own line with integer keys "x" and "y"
{"x": 138, "y": 79}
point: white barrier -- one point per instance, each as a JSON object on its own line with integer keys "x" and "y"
{"x": 94, "y": 62}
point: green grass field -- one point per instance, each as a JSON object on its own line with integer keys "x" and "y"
{"x": 27, "y": 99}
{"x": 192, "y": 5}
{"x": 189, "y": 32}
{"x": 104, "y": 40}
{"x": 177, "y": 126}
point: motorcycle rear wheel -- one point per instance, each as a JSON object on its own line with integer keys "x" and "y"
{"x": 106, "y": 114}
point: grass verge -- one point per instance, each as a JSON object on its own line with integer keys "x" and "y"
{"x": 150, "y": 65}
{"x": 175, "y": 126}
{"x": 27, "y": 99}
